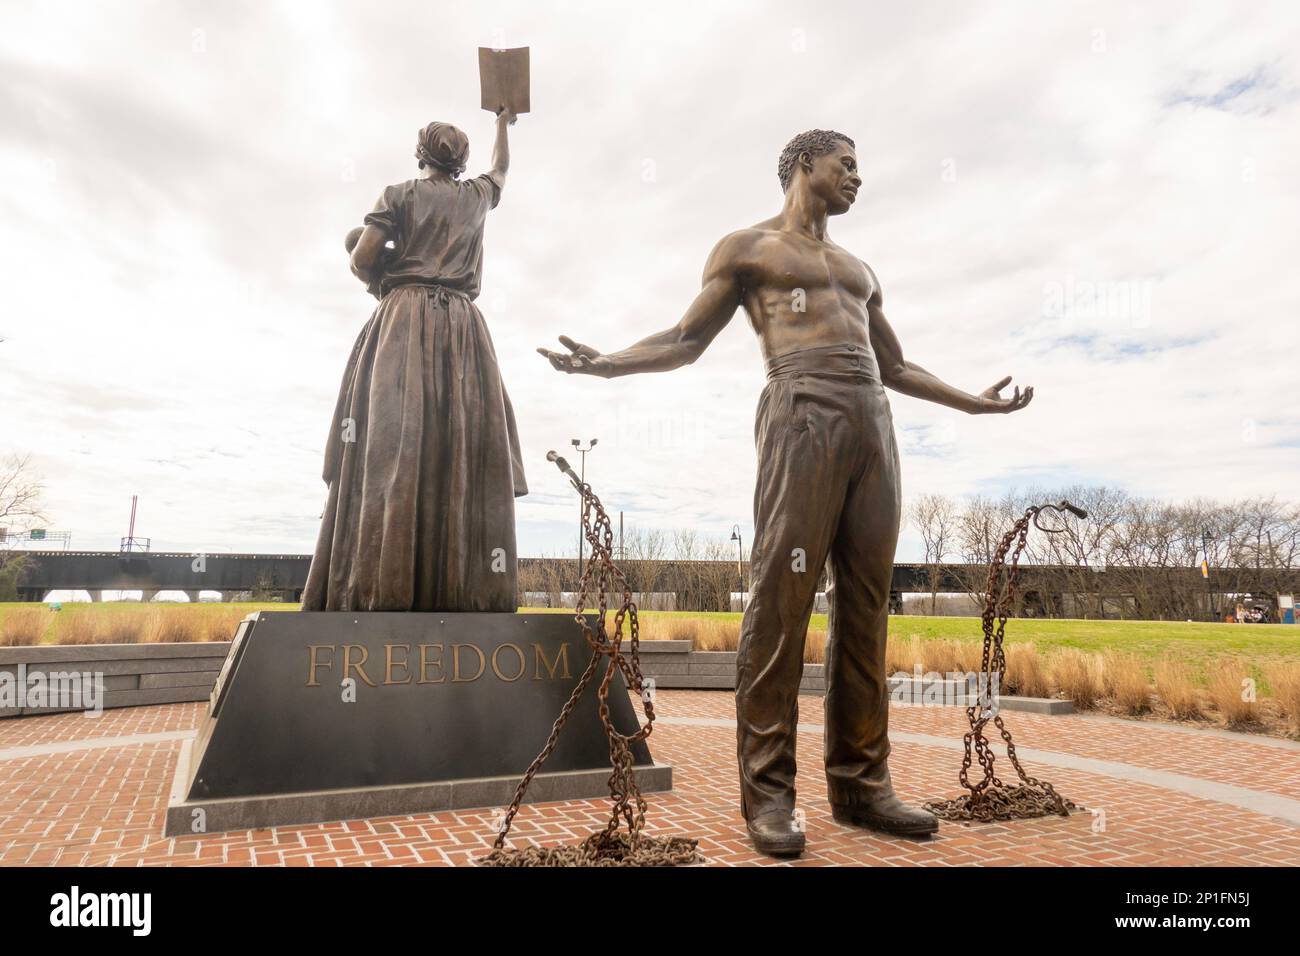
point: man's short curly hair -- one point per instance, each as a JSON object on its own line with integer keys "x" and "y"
{"x": 815, "y": 142}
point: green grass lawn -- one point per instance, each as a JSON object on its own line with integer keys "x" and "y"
{"x": 1196, "y": 643}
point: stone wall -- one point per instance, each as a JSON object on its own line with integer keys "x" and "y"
{"x": 131, "y": 674}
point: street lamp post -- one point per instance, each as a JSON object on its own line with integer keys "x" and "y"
{"x": 577, "y": 443}
{"x": 740, "y": 561}
{"x": 1205, "y": 572}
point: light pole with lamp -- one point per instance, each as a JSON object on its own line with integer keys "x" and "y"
{"x": 577, "y": 443}
{"x": 740, "y": 561}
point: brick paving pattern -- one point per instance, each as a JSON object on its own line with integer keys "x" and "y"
{"x": 103, "y": 803}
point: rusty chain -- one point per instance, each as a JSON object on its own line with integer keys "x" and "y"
{"x": 610, "y": 846}
{"x": 991, "y": 799}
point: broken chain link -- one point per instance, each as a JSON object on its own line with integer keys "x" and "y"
{"x": 991, "y": 799}
{"x": 610, "y": 846}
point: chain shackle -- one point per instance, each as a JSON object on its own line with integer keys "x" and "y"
{"x": 990, "y": 799}
{"x": 611, "y": 846}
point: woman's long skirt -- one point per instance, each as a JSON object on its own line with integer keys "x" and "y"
{"x": 423, "y": 467}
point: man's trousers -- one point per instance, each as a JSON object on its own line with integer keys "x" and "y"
{"x": 827, "y": 492}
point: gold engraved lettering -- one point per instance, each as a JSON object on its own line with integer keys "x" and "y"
{"x": 390, "y": 663}
{"x": 539, "y": 659}
{"x": 427, "y": 661}
{"x": 313, "y": 663}
{"x": 455, "y": 664}
{"x": 519, "y": 653}
{"x": 358, "y": 666}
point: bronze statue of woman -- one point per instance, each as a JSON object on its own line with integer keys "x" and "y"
{"x": 422, "y": 460}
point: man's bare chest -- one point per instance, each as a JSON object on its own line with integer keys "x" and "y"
{"x": 787, "y": 265}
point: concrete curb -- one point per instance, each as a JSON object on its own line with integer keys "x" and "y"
{"x": 203, "y": 817}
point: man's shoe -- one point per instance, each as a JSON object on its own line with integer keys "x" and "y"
{"x": 774, "y": 833}
{"x": 889, "y": 815}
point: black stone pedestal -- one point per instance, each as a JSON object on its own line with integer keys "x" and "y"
{"x": 330, "y": 716}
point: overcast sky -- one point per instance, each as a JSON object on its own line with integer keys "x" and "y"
{"x": 1100, "y": 200}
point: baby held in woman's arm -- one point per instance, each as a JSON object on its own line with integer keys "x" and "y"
{"x": 350, "y": 243}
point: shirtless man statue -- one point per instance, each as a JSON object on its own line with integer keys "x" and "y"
{"x": 828, "y": 486}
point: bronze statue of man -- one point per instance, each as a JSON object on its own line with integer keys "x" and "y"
{"x": 828, "y": 485}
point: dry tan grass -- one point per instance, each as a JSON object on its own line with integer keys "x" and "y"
{"x": 1125, "y": 681}
{"x": 170, "y": 626}
{"x": 682, "y": 629}
{"x": 895, "y": 656}
{"x": 220, "y": 624}
{"x": 1078, "y": 676}
{"x": 1176, "y": 687}
{"x": 906, "y": 655}
{"x": 122, "y": 627}
{"x": 147, "y": 625}
{"x": 24, "y": 626}
{"x": 75, "y": 627}
{"x": 941, "y": 656}
{"x": 814, "y": 648}
{"x": 947, "y": 656}
{"x": 647, "y": 628}
{"x": 1284, "y": 681}
{"x": 903, "y": 654}
{"x": 1026, "y": 674}
{"x": 969, "y": 656}
{"x": 1229, "y": 693}
{"x": 713, "y": 635}
{"x": 99, "y": 627}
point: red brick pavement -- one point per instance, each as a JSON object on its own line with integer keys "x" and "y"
{"x": 120, "y": 722}
{"x": 1259, "y": 763}
{"x": 105, "y": 805}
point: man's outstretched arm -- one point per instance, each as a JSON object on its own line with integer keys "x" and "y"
{"x": 680, "y": 345}
{"x": 909, "y": 378}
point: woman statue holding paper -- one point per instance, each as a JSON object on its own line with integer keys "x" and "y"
{"x": 422, "y": 460}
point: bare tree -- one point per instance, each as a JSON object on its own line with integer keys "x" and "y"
{"x": 718, "y": 575}
{"x": 685, "y": 577}
{"x": 980, "y": 526}
{"x": 532, "y": 580}
{"x": 647, "y": 553}
{"x": 20, "y": 494}
{"x": 686, "y": 544}
{"x": 1131, "y": 557}
{"x": 20, "y": 508}
{"x": 935, "y": 517}
{"x": 1078, "y": 554}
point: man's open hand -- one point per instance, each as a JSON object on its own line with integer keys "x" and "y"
{"x": 580, "y": 358}
{"x": 991, "y": 402}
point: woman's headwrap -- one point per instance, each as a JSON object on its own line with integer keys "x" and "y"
{"x": 444, "y": 147}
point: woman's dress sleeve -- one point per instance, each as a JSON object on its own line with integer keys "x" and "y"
{"x": 488, "y": 186}
{"x": 384, "y": 215}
